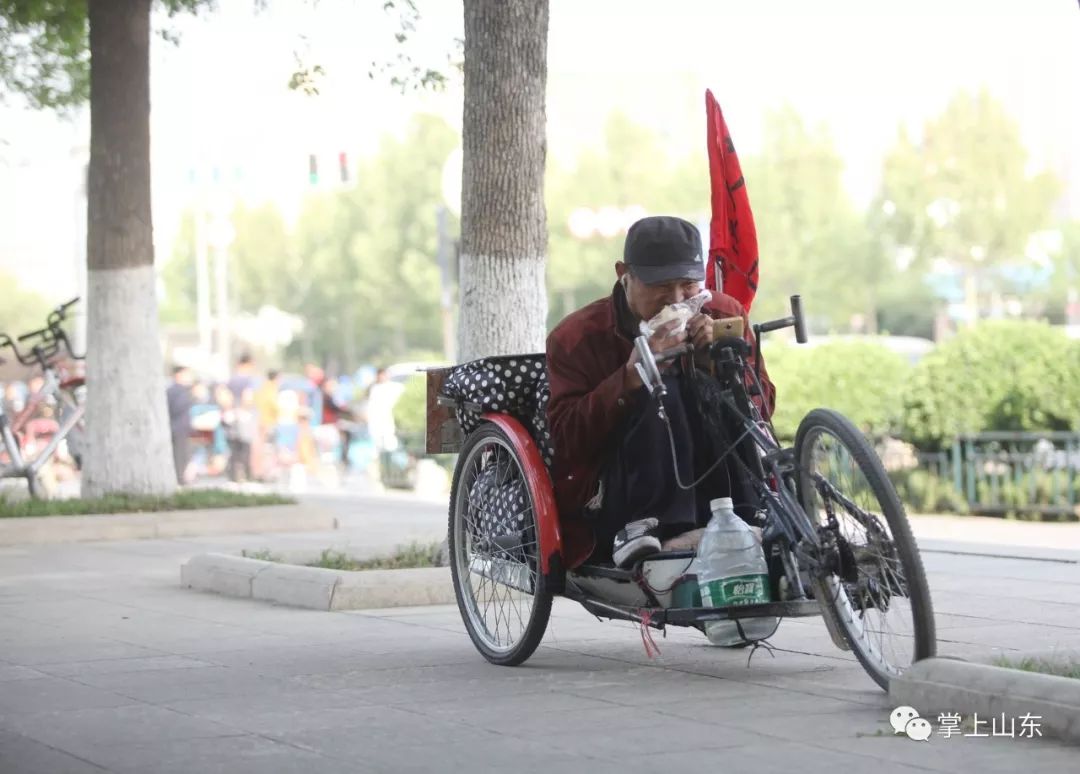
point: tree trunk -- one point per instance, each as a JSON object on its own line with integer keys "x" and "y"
{"x": 503, "y": 219}
{"x": 128, "y": 444}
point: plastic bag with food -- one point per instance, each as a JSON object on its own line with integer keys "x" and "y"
{"x": 681, "y": 311}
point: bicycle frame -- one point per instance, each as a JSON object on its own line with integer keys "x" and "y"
{"x": 19, "y": 467}
{"x": 32, "y": 402}
{"x": 52, "y": 341}
{"x": 802, "y": 543}
{"x": 783, "y": 511}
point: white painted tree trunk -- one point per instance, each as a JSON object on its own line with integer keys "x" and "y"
{"x": 128, "y": 447}
{"x": 503, "y": 219}
{"x": 503, "y": 306}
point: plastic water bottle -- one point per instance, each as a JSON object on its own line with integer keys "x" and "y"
{"x": 731, "y": 570}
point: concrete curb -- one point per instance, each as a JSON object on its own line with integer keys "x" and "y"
{"x": 166, "y": 524}
{"x": 951, "y": 685}
{"x": 316, "y": 588}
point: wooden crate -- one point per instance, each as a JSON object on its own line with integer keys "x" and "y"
{"x": 444, "y": 434}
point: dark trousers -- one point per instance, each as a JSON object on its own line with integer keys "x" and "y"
{"x": 181, "y": 452}
{"x": 346, "y": 442}
{"x": 239, "y": 468}
{"x": 639, "y": 480}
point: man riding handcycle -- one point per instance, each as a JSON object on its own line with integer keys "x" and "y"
{"x": 611, "y": 463}
{"x": 588, "y": 472}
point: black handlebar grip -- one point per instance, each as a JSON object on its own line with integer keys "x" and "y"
{"x": 800, "y": 321}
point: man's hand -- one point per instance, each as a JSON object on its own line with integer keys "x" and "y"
{"x": 661, "y": 341}
{"x": 700, "y": 330}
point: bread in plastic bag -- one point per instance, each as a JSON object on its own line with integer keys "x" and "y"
{"x": 681, "y": 311}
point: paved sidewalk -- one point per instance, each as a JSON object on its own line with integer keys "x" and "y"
{"x": 106, "y": 664}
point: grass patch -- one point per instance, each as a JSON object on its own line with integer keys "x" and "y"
{"x": 189, "y": 500}
{"x": 1067, "y": 668}
{"x": 263, "y": 555}
{"x": 407, "y": 557}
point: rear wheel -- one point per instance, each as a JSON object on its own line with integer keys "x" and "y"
{"x": 878, "y": 593}
{"x": 494, "y": 552}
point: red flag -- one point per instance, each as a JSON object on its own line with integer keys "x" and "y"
{"x": 732, "y": 237}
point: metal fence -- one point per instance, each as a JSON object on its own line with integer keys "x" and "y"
{"x": 997, "y": 473}
{"x": 1018, "y": 472}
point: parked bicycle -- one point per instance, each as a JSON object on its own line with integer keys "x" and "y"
{"x": 50, "y": 350}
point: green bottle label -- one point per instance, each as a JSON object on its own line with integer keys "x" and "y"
{"x": 736, "y": 590}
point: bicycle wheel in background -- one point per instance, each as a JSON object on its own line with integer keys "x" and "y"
{"x": 879, "y": 594}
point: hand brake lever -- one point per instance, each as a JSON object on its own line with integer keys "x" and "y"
{"x": 647, "y": 369}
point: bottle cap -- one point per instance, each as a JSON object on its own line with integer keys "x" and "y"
{"x": 722, "y": 503}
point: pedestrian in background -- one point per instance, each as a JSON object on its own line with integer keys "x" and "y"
{"x": 383, "y": 395}
{"x": 338, "y": 415}
{"x": 264, "y": 457}
{"x": 178, "y": 399}
{"x": 241, "y": 429}
{"x": 243, "y": 377}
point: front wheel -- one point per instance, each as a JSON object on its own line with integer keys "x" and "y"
{"x": 494, "y": 550}
{"x": 877, "y": 590}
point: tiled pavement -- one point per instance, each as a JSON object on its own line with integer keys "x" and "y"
{"x": 107, "y": 664}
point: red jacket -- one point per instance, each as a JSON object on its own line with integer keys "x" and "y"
{"x": 586, "y": 355}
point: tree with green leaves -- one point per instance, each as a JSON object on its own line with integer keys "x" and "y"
{"x": 23, "y": 309}
{"x": 962, "y": 193}
{"x": 630, "y": 170}
{"x": 59, "y": 54}
{"x": 812, "y": 239}
{"x": 45, "y": 55}
{"x": 358, "y": 267}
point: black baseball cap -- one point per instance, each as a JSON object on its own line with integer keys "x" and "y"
{"x": 663, "y": 248}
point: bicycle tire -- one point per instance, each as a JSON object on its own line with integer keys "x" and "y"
{"x": 913, "y": 578}
{"x": 476, "y": 624}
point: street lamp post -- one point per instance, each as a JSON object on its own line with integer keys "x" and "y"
{"x": 221, "y": 236}
{"x": 446, "y": 282}
{"x": 202, "y": 281}
{"x": 445, "y": 250}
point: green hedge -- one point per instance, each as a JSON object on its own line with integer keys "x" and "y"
{"x": 1000, "y": 375}
{"x": 860, "y": 379}
{"x": 410, "y": 412}
{"x": 1033, "y": 489}
{"x": 923, "y": 491}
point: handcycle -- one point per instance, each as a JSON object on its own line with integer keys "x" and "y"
{"x": 48, "y": 348}
{"x": 834, "y": 532}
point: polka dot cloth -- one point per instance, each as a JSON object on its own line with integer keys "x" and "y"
{"x": 499, "y": 509}
{"x": 514, "y": 384}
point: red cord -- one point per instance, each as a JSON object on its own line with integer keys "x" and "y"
{"x": 652, "y": 650}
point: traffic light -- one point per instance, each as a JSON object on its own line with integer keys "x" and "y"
{"x": 313, "y": 169}
{"x": 343, "y": 166}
